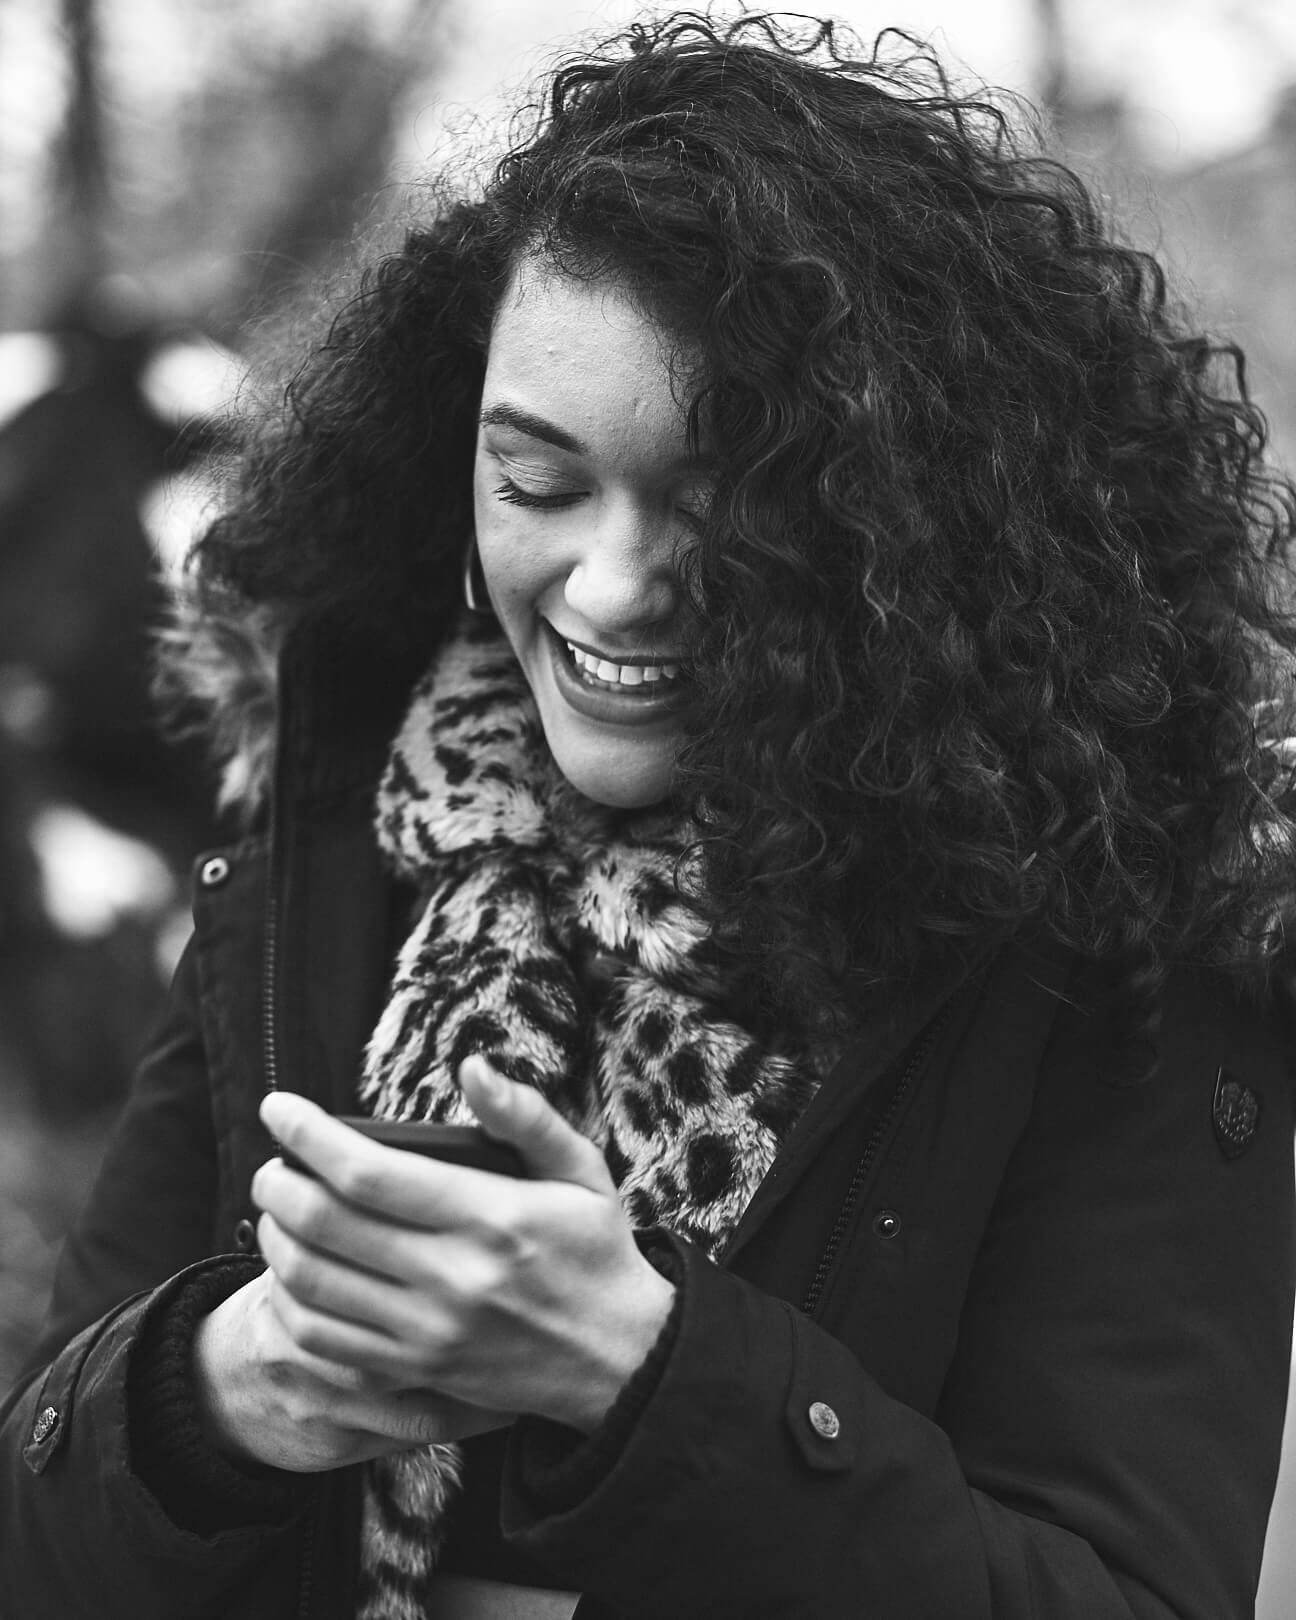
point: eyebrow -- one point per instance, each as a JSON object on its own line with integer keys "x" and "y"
{"x": 535, "y": 427}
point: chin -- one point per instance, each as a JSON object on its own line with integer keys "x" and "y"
{"x": 637, "y": 786}
{"x": 623, "y": 768}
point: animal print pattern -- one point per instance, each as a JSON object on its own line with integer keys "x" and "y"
{"x": 562, "y": 940}
{"x": 405, "y": 1502}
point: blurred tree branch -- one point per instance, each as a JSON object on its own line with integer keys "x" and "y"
{"x": 81, "y": 176}
{"x": 211, "y": 204}
{"x": 1054, "y": 77}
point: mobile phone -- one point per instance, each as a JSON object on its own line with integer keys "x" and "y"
{"x": 454, "y": 1144}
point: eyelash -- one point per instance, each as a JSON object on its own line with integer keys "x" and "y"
{"x": 515, "y": 495}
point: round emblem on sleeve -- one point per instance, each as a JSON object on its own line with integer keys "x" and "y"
{"x": 824, "y": 1421}
{"x": 1235, "y": 1114}
{"x": 45, "y": 1425}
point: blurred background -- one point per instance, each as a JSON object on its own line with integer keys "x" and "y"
{"x": 171, "y": 173}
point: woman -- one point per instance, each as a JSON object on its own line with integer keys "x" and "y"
{"x": 773, "y": 617}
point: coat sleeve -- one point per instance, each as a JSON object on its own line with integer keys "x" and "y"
{"x": 161, "y": 1158}
{"x": 1107, "y": 1441}
{"x": 80, "y": 1535}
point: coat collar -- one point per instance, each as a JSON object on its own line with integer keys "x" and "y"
{"x": 341, "y": 697}
{"x": 330, "y": 906}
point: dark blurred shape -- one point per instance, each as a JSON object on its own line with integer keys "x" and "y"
{"x": 143, "y": 261}
{"x": 271, "y": 166}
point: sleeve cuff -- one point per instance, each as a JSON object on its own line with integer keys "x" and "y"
{"x": 201, "y": 1490}
{"x": 555, "y": 1466}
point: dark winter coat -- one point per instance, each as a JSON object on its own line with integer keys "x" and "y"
{"x": 996, "y": 1337}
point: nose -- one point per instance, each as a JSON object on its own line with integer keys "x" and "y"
{"x": 625, "y": 576}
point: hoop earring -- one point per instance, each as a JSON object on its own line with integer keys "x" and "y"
{"x": 475, "y": 595}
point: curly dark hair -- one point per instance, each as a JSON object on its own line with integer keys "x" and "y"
{"x": 992, "y": 581}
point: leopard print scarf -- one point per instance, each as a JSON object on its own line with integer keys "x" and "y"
{"x": 557, "y": 938}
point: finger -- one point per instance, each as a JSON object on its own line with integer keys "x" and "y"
{"x": 385, "y": 1181}
{"x": 325, "y": 1285}
{"x": 406, "y": 1331}
{"x": 336, "y": 1375}
{"x": 423, "y": 1416}
{"x": 552, "y": 1149}
{"x": 451, "y": 1418}
{"x": 322, "y": 1336}
{"x": 281, "y": 1350}
{"x": 315, "y": 1215}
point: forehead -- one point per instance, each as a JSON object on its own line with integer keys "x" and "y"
{"x": 586, "y": 348}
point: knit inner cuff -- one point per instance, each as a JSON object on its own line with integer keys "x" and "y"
{"x": 201, "y": 1490}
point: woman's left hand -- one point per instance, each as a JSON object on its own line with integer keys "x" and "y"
{"x": 517, "y": 1295}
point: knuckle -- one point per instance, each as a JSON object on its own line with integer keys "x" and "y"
{"x": 424, "y": 1428}
{"x": 294, "y": 1269}
{"x": 312, "y": 1335}
{"x": 300, "y": 1274}
{"x": 289, "y": 1314}
{"x": 288, "y": 1132}
{"x": 494, "y": 1279}
{"x": 313, "y": 1420}
{"x": 295, "y": 1402}
{"x": 453, "y": 1346}
{"x": 314, "y": 1217}
{"x": 469, "y": 1298}
{"x": 508, "y": 1229}
{"x": 356, "y": 1181}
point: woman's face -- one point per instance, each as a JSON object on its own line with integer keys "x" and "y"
{"x": 584, "y": 489}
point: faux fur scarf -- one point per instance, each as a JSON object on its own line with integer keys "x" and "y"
{"x": 557, "y": 937}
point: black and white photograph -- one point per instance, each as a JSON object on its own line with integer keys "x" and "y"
{"x": 647, "y": 810}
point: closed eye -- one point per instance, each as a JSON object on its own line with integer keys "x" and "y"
{"x": 515, "y": 495}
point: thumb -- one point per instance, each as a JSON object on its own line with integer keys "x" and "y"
{"x": 552, "y": 1149}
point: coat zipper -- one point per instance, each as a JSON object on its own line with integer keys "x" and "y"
{"x": 270, "y": 1071}
{"x": 864, "y": 1163}
{"x": 270, "y": 949}
{"x": 306, "y": 1581}
{"x": 269, "y": 989}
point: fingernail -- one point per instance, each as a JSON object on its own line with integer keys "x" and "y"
{"x": 492, "y": 1084}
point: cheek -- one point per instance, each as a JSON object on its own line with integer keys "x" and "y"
{"x": 507, "y": 562}
{"x": 498, "y": 544}
{"x": 521, "y": 556}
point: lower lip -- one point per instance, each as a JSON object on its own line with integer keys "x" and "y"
{"x": 633, "y": 707}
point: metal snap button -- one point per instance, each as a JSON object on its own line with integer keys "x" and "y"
{"x": 824, "y": 1421}
{"x": 886, "y": 1223}
{"x": 212, "y": 873}
{"x": 45, "y": 1425}
{"x": 245, "y": 1236}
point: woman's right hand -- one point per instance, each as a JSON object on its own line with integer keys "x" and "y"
{"x": 264, "y": 1399}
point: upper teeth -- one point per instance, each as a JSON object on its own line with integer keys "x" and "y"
{"x": 627, "y": 674}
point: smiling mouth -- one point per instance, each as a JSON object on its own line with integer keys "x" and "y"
{"x": 597, "y": 670}
{"x": 604, "y": 672}
{"x": 614, "y": 691}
